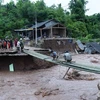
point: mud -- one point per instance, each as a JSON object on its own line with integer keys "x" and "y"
{"x": 23, "y": 63}
{"x": 48, "y": 84}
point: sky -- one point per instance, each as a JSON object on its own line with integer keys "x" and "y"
{"x": 93, "y": 5}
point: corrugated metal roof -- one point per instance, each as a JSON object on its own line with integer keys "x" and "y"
{"x": 28, "y": 29}
{"x": 45, "y": 23}
{"x": 50, "y": 24}
{"x": 93, "y": 45}
{"x": 80, "y": 45}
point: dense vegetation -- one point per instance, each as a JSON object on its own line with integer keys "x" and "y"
{"x": 23, "y": 13}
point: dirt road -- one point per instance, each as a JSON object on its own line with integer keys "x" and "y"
{"x": 48, "y": 84}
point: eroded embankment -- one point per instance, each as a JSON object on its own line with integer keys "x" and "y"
{"x": 22, "y": 62}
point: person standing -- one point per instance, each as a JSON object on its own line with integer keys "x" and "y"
{"x": 0, "y": 44}
{"x": 11, "y": 43}
{"x": 21, "y": 44}
{"x": 8, "y": 45}
{"x": 4, "y": 44}
{"x": 18, "y": 46}
{"x": 15, "y": 42}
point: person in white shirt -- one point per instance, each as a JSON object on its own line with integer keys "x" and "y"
{"x": 18, "y": 46}
{"x": 67, "y": 56}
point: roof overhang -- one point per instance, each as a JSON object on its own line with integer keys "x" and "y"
{"x": 21, "y": 30}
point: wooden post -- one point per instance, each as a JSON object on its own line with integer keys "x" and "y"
{"x": 64, "y": 32}
{"x": 51, "y": 35}
{"x": 36, "y": 31}
{"x": 33, "y": 34}
{"x": 66, "y": 72}
{"x": 41, "y": 33}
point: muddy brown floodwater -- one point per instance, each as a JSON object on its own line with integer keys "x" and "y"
{"x": 48, "y": 84}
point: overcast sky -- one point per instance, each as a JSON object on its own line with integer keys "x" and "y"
{"x": 93, "y": 5}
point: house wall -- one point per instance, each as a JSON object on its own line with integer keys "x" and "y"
{"x": 59, "y": 32}
{"x": 55, "y": 32}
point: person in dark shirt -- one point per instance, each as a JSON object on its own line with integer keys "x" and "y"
{"x": 54, "y": 55}
{"x": 11, "y": 43}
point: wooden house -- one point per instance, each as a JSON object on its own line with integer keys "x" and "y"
{"x": 48, "y": 29}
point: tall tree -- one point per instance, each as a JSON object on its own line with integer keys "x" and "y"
{"x": 41, "y": 10}
{"x": 78, "y": 9}
{"x": 26, "y": 10}
{"x": 60, "y": 15}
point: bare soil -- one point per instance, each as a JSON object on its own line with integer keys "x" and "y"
{"x": 48, "y": 84}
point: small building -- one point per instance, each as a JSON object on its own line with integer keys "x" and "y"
{"x": 48, "y": 29}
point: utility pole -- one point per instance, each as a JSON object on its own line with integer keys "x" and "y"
{"x": 35, "y": 28}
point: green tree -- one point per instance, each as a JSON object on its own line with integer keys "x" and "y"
{"x": 78, "y": 9}
{"x": 78, "y": 29}
{"x": 60, "y": 15}
{"x": 40, "y": 10}
{"x": 24, "y": 13}
{"x": 51, "y": 12}
{"x": 26, "y": 10}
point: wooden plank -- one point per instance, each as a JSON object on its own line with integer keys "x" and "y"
{"x": 62, "y": 63}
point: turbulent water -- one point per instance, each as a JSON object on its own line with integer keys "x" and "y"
{"x": 48, "y": 84}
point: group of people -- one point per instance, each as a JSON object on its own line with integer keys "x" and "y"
{"x": 7, "y": 44}
{"x": 67, "y": 56}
